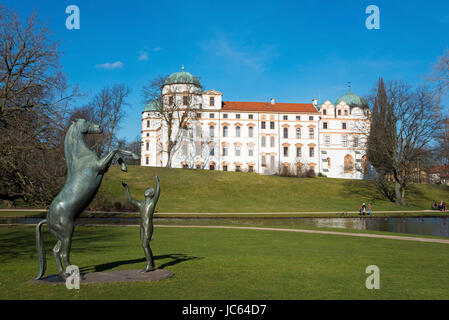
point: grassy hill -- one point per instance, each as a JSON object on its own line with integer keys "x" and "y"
{"x": 185, "y": 190}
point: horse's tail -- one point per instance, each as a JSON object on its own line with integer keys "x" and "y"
{"x": 40, "y": 250}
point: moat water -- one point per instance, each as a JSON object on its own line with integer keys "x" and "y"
{"x": 433, "y": 226}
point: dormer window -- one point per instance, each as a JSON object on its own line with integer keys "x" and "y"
{"x": 346, "y": 112}
{"x": 170, "y": 100}
{"x": 339, "y": 112}
{"x": 184, "y": 100}
{"x": 212, "y": 101}
{"x": 324, "y": 112}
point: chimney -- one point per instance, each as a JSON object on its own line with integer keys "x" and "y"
{"x": 272, "y": 101}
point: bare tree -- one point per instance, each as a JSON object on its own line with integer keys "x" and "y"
{"x": 195, "y": 146}
{"x": 441, "y": 74}
{"x": 33, "y": 100}
{"x": 175, "y": 107}
{"x": 403, "y": 125}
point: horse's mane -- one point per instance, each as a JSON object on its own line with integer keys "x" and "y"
{"x": 77, "y": 148}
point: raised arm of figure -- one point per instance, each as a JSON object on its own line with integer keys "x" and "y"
{"x": 128, "y": 196}
{"x": 158, "y": 189}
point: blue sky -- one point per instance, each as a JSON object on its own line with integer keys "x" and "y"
{"x": 293, "y": 51}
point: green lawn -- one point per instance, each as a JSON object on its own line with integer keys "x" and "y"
{"x": 231, "y": 264}
{"x": 214, "y": 191}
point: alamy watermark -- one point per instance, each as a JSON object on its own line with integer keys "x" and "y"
{"x": 73, "y": 20}
{"x": 373, "y": 281}
{"x": 373, "y": 20}
{"x": 73, "y": 280}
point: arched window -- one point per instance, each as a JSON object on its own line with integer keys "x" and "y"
{"x": 212, "y": 131}
{"x": 264, "y": 161}
{"x": 225, "y": 131}
{"x": 250, "y": 132}
{"x": 311, "y": 133}
{"x": 328, "y": 163}
{"x": 285, "y": 133}
{"x": 148, "y": 146}
{"x": 264, "y": 141}
{"x": 147, "y": 160}
{"x": 272, "y": 162}
{"x": 348, "y": 164}
{"x": 298, "y": 133}
{"x": 272, "y": 141}
{"x": 237, "y": 131}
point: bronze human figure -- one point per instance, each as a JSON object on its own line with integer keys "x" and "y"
{"x": 85, "y": 172}
{"x": 146, "y": 208}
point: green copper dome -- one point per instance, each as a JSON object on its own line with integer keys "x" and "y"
{"x": 352, "y": 100}
{"x": 182, "y": 77}
{"x": 151, "y": 106}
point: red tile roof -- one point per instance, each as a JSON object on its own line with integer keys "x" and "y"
{"x": 267, "y": 106}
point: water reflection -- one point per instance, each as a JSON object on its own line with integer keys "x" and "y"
{"x": 434, "y": 226}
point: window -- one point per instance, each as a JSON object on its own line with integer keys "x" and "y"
{"x": 198, "y": 166}
{"x": 327, "y": 141}
{"x": 298, "y": 152}
{"x": 311, "y": 152}
{"x": 147, "y": 160}
{"x": 285, "y": 151}
{"x": 311, "y": 118}
{"x": 147, "y": 146}
{"x": 285, "y": 133}
{"x": 211, "y": 115}
{"x": 285, "y": 117}
{"x": 185, "y": 166}
{"x": 184, "y": 100}
{"x": 324, "y": 112}
{"x": 250, "y": 151}
{"x": 272, "y": 162}
{"x": 348, "y": 164}
{"x": 298, "y": 133}
{"x": 272, "y": 141}
{"x": 250, "y": 116}
{"x": 264, "y": 161}
{"x": 148, "y": 134}
{"x": 298, "y": 118}
{"x": 237, "y": 151}
{"x": 225, "y": 168}
{"x": 343, "y": 125}
{"x": 328, "y": 163}
{"x": 364, "y": 165}
{"x": 324, "y": 125}
{"x": 212, "y": 150}
{"x": 346, "y": 112}
{"x": 271, "y": 124}
{"x": 225, "y": 115}
{"x": 262, "y": 124}
{"x": 198, "y": 130}
{"x": 237, "y": 131}
{"x": 355, "y": 142}
{"x": 148, "y": 123}
{"x": 197, "y": 148}
{"x": 198, "y": 115}
{"x": 237, "y": 168}
{"x": 212, "y": 101}
{"x": 211, "y": 167}
{"x": 212, "y": 131}
{"x": 250, "y": 132}
{"x": 264, "y": 140}
{"x": 237, "y": 116}
{"x": 344, "y": 141}
{"x": 339, "y": 112}
{"x": 311, "y": 133}
{"x": 225, "y": 151}
{"x": 170, "y": 100}
{"x": 250, "y": 169}
{"x": 225, "y": 131}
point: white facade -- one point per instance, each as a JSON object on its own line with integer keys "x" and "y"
{"x": 263, "y": 137}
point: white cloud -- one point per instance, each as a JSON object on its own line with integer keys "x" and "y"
{"x": 143, "y": 55}
{"x": 110, "y": 66}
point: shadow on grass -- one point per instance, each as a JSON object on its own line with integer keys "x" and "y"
{"x": 175, "y": 259}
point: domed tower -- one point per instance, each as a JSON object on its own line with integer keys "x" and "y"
{"x": 182, "y": 89}
{"x": 356, "y": 103}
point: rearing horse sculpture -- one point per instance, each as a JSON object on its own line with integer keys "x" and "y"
{"x": 85, "y": 172}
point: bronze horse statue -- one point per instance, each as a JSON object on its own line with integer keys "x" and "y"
{"x": 85, "y": 171}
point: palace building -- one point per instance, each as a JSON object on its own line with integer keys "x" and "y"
{"x": 264, "y": 137}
